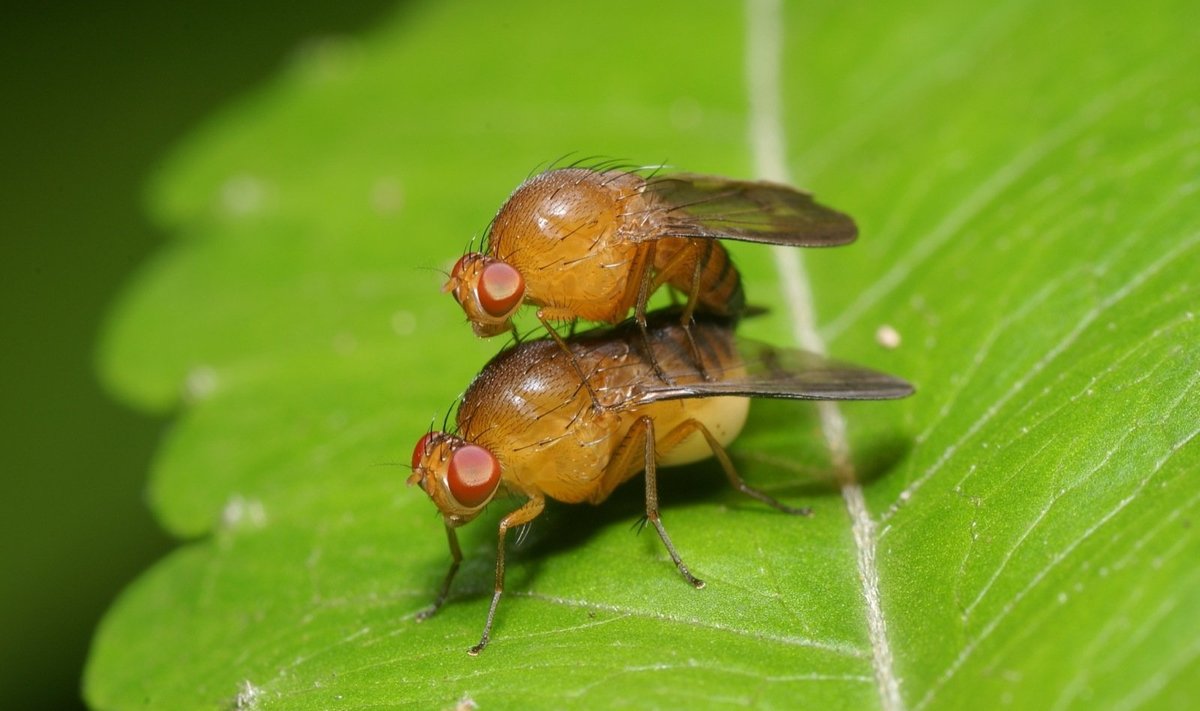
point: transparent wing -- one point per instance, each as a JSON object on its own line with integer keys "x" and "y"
{"x": 719, "y": 208}
{"x": 784, "y": 374}
{"x": 740, "y": 366}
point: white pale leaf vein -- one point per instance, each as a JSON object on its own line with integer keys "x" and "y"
{"x": 1157, "y": 681}
{"x": 985, "y": 347}
{"x": 1059, "y": 348}
{"x": 969, "y": 648}
{"x": 987, "y": 192}
{"x": 1059, "y": 494}
{"x": 836, "y": 646}
{"x": 764, "y": 51}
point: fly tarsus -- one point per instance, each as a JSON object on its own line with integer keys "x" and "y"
{"x": 487, "y": 627}
{"x": 694, "y": 348}
{"x": 658, "y": 371}
{"x": 645, "y": 429}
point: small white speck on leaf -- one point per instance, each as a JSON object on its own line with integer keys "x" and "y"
{"x": 200, "y": 384}
{"x": 243, "y": 195}
{"x": 887, "y": 336}
{"x": 248, "y": 695}
{"x": 328, "y": 58}
{"x": 240, "y": 511}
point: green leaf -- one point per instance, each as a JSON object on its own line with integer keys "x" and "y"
{"x": 1018, "y": 533}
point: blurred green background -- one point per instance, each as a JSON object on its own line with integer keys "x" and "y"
{"x": 95, "y": 94}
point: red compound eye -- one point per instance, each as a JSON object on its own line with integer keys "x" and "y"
{"x": 473, "y": 475}
{"x": 501, "y": 288}
{"x": 419, "y": 450}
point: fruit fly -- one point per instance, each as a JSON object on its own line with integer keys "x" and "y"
{"x": 527, "y": 425}
{"x": 582, "y": 243}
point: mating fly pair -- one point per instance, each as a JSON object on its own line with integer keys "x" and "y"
{"x": 592, "y": 244}
{"x": 571, "y": 419}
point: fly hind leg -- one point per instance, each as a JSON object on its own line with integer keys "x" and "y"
{"x": 639, "y": 442}
{"x": 647, "y": 283}
{"x": 699, "y": 257}
{"x": 684, "y": 429}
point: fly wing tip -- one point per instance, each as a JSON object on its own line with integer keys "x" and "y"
{"x": 883, "y": 387}
{"x": 900, "y": 388}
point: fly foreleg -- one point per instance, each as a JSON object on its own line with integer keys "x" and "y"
{"x": 520, "y": 517}
{"x": 455, "y": 560}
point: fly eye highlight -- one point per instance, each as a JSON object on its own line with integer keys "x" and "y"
{"x": 473, "y": 475}
{"x": 501, "y": 288}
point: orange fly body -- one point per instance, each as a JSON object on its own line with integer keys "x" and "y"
{"x": 529, "y": 426}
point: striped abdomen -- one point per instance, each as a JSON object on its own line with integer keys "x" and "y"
{"x": 676, "y": 260}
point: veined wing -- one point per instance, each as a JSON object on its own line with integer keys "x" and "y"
{"x": 719, "y": 208}
{"x": 744, "y": 367}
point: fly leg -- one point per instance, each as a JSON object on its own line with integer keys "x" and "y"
{"x": 520, "y": 517}
{"x": 624, "y": 462}
{"x": 542, "y": 315}
{"x": 690, "y": 308}
{"x": 684, "y": 429}
{"x": 455, "y": 560}
{"x": 646, "y": 286}
{"x": 677, "y": 262}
